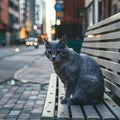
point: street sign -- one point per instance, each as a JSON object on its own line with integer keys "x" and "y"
{"x": 58, "y": 7}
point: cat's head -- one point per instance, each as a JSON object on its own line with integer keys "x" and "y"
{"x": 55, "y": 49}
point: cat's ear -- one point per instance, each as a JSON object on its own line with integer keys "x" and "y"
{"x": 63, "y": 40}
{"x": 46, "y": 42}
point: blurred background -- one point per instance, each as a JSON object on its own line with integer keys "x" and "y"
{"x": 50, "y": 19}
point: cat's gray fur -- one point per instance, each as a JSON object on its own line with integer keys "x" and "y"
{"x": 80, "y": 74}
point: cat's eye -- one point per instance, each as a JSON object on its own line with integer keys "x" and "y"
{"x": 49, "y": 52}
{"x": 58, "y": 52}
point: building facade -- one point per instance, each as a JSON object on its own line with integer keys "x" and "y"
{"x": 97, "y": 10}
{"x": 49, "y": 17}
{"x": 31, "y": 16}
{"x": 23, "y": 11}
{"x": 12, "y": 36}
{"x": 4, "y": 21}
{"x": 9, "y": 21}
{"x": 72, "y": 19}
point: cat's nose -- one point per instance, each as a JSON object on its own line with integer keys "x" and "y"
{"x": 53, "y": 58}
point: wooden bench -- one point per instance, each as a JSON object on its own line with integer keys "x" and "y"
{"x": 102, "y": 42}
{"x": 54, "y": 110}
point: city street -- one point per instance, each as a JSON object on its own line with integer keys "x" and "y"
{"x": 25, "y": 76}
{"x": 12, "y": 60}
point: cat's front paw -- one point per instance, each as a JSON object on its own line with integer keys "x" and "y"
{"x": 62, "y": 97}
{"x": 64, "y": 101}
{"x": 70, "y": 101}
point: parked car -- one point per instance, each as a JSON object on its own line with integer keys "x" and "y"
{"x": 32, "y": 42}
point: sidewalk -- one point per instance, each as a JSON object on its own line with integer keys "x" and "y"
{"x": 23, "y": 98}
{"x": 38, "y": 72}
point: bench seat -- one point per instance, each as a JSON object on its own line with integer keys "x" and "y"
{"x": 54, "y": 110}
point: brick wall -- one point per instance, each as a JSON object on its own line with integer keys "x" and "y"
{"x": 71, "y": 11}
{"x": 4, "y": 12}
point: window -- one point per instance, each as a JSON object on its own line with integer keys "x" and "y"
{"x": 115, "y": 8}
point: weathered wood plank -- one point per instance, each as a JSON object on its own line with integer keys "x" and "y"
{"x": 108, "y": 64}
{"x": 104, "y": 29}
{"x": 49, "y": 107}
{"x": 114, "y": 88}
{"x": 113, "y": 55}
{"x": 107, "y": 91}
{"x": 90, "y": 113}
{"x": 111, "y": 76}
{"x": 77, "y": 113}
{"x": 105, "y": 45}
{"x": 113, "y": 106}
{"x": 107, "y": 36}
{"x": 113, "y": 18}
{"x": 105, "y": 112}
{"x": 63, "y": 112}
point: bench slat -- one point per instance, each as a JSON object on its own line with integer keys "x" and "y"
{"x": 104, "y": 112}
{"x": 48, "y": 111}
{"x": 63, "y": 112}
{"x": 115, "y": 89}
{"x": 90, "y": 112}
{"x": 114, "y": 56}
{"x": 112, "y": 27}
{"x": 104, "y": 45}
{"x": 108, "y": 36}
{"x": 108, "y": 64}
{"x": 106, "y": 21}
{"x": 112, "y": 76}
{"x": 77, "y": 113}
{"x": 112, "y": 105}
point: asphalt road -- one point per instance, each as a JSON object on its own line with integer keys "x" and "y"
{"x": 16, "y": 57}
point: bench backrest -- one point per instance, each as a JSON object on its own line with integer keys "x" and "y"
{"x": 102, "y": 42}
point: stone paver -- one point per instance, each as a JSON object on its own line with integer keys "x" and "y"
{"x": 23, "y": 101}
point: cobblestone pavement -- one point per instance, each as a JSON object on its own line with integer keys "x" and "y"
{"x": 22, "y": 101}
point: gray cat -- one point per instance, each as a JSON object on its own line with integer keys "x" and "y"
{"x": 82, "y": 77}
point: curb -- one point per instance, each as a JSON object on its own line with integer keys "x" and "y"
{"x": 16, "y": 75}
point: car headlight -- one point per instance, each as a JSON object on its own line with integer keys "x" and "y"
{"x": 35, "y": 43}
{"x": 27, "y": 43}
